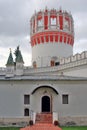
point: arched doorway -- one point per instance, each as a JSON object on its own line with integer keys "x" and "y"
{"x": 45, "y": 104}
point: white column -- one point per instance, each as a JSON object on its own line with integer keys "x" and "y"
{"x": 63, "y": 38}
{"x": 70, "y": 23}
{"x": 40, "y": 39}
{"x": 48, "y": 20}
{"x": 44, "y": 39}
{"x": 43, "y": 19}
{"x": 53, "y": 38}
{"x": 55, "y": 116}
{"x": 34, "y": 117}
{"x": 58, "y": 20}
{"x": 31, "y": 26}
{"x": 63, "y": 21}
{"x": 35, "y": 23}
{"x": 59, "y": 38}
{"x": 67, "y": 39}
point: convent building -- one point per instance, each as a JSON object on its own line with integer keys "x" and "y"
{"x": 55, "y": 84}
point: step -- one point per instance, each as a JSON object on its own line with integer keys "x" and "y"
{"x": 43, "y": 118}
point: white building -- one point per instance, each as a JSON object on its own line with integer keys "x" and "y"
{"x": 55, "y": 83}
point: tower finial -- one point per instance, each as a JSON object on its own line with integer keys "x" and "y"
{"x": 46, "y": 9}
{"x": 10, "y": 50}
{"x": 60, "y": 9}
{"x": 35, "y": 12}
{"x": 10, "y": 61}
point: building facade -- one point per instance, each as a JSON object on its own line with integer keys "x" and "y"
{"x": 55, "y": 83}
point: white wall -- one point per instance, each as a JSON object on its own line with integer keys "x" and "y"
{"x": 77, "y": 71}
{"x": 43, "y": 53}
{"x": 12, "y": 97}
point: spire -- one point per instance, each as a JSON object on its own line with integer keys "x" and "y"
{"x": 18, "y": 55}
{"x": 10, "y": 61}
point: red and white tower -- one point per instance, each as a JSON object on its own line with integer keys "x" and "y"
{"x": 52, "y": 37}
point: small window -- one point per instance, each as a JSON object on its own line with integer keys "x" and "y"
{"x": 52, "y": 63}
{"x": 34, "y": 64}
{"x": 53, "y": 21}
{"x": 66, "y": 24}
{"x": 40, "y": 23}
{"x": 57, "y": 63}
{"x": 26, "y": 112}
{"x": 26, "y": 99}
{"x": 65, "y": 99}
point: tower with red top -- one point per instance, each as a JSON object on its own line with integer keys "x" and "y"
{"x": 52, "y": 37}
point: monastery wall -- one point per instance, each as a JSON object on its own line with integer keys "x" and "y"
{"x": 72, "y": 66}
{"x": 13, "y": 106}
{"x": 74, "y": 58}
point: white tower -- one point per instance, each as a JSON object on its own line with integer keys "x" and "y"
{"x": 52, "y": 37}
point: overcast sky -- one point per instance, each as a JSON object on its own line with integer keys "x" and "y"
{"x": 15, "y": 28}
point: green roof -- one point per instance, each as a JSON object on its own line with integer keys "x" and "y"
{"x": 10, "y": 60}
{"x": 18, "y": 55}
{"x": 19, "y": 58}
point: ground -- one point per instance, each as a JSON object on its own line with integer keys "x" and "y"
{"x": 63, "y": 128}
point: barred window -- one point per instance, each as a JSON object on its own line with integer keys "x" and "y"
{"x": 26, "y": 99}
{"x": 65, "y": 99}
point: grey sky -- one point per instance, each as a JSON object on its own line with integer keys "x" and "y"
{"x": 14, "y": 24}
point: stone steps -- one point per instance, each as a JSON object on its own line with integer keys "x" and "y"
{"x": 44, "y": 118}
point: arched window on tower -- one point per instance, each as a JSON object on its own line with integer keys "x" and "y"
{"x": 66, "y": 23}
{"x": 40, "y": 23}
{"x": 26, "y": 112}
{"x": 54, "y": 61}
{"x": 53, "y": 21}
{"x": 34, "y": 26}
{"x": 34, "y": 64}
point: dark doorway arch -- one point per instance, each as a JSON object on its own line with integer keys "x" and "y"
{"x": 45, "y": 104}
{"x": 45, "y": 86}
